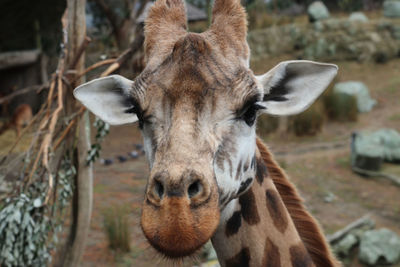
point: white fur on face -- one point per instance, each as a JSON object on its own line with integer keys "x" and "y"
{"x": 237, "y": 170}
{"x": 148, "y": 147}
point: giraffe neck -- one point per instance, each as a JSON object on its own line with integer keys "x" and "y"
{"x": 268, "y": 225}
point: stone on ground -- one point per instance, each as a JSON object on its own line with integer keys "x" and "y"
{"x": 213, "y": 263}
{"x": 365, "y": 153}
{"x": 369, "y": 149}
{"x": 391, "y": 9}
{"x": 343, "y": 248}
{"x": 360, "y": 91}
{"x": 317, "y": 11}
{"x": 379, "y": 246}
{"x": 358, "y": 17}
{"x": 389, "y": 140}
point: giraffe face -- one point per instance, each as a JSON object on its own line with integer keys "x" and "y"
{"x": 198, "y": 115}
{"x": 197, "y": 102}
{"x": 198, "y": 126}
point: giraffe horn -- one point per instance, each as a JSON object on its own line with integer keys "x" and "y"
{"x": 229, "y": 23}
{"x": 165, "y": 23}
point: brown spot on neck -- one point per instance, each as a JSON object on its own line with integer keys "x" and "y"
{"x": 249, "y": 207}
{"x": 300, "y": 257}
{"x": 272, "y": 256}
{"x": 233, "y": 224}
{"x": 261, "y": 171}
{"x": 276, "y": 210}
{"x": 242, "y": 259}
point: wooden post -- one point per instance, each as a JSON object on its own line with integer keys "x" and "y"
{"x": 71, "y": 254}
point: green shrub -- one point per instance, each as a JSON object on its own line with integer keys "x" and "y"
{"x": 116, "y": 227}
{"x": 340, "y": 106}
{"x": 267, "y": 124}
{"x": 350, "y": 5}
{"x": 307, "y": 123}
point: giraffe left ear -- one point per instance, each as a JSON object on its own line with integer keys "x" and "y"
{"x": 292, "y": 86}
{"x": 109, "y": 98}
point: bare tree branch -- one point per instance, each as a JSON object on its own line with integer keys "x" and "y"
{"x": 23, "y": 91}
{"x": 135, "y": 46}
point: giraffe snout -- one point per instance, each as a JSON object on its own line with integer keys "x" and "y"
{"x": 179, "y": 214}
{"x": 190, "y": 186}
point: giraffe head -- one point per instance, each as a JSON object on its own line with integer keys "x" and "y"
{"x": 196, "y": 103}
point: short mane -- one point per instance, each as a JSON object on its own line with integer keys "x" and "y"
{"x": 306, "y": 225}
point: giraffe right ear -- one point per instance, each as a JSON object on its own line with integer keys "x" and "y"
{"x": 109, "y": 99}
{"x": 292, "y": 86}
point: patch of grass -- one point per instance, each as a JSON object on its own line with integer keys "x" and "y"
{"x": 99, "y": 188}
{"x": 343, "y": 162}
{"x": 128, "y": 259}
{"x": 307, "y": 123}
{"x": 395, "y": 117}
{"x": 115, "y": 220}
{"x": 136, "y": 252}
{"x": 391, "y": 89}
{"x": 267, "y": 124}
{"x": 395, "y": 81}
{"x": 340, "y": 107}
{"x": 282, "y": 163}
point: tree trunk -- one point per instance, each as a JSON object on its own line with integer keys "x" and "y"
{"x": 122, "y": 34}
{"x": 82, "y": 203}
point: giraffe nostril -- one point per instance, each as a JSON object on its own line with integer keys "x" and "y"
{"x": 159, "y": 189}
{"x": 194, "y": 189}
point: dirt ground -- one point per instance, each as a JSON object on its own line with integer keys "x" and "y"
{"x": 317, "y": 173}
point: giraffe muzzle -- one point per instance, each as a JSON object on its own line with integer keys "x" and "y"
{"x": 178, "y": 218}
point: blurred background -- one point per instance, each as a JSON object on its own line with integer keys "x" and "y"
{"x": 343, "y": 153}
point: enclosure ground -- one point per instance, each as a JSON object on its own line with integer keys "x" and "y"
{"x": 317, "y": 173}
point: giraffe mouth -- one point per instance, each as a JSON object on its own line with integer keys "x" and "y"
{"x": 176, "y": 229}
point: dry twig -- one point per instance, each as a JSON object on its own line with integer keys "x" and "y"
{"x": 94, "y": 66}
{"x": 22, "y": 91}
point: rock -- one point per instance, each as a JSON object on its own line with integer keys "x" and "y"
{"x": 360, "y": 91}
{"x": 209, "y": 252}
{"x": 389, "y": 140}
{"x": 381, "y": 246}
{"x": 329, "y": 197}
{"x": 293, "y": 10}
{"x": 358, "y": 17}
{"x": 213, "y": 263}
{"x": 133, "y": 154}
{"x": 106, "y": 161}
{"x": 122, "y": 158}
{"x": 369, "y": 149}
{"x": 139, "y": 146}
{"x": 317, "y": 11}
{"x": 396, "y": 32}
{"x": 365, "y": 153}
{"x": 344, "y": 246}
{"x": 332, "y": 39}
{"x": 391, "y": 9}
{"x": 212, "y": 255}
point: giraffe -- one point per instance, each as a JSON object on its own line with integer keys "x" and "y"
{"x": 196, "y": 103}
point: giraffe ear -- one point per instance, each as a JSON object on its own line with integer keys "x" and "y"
{"x": 108, "y": 98}
{"x": 292, "y": 86}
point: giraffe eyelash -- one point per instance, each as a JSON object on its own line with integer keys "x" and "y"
{"x": 250, "y": 104}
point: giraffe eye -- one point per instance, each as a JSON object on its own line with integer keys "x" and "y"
{"x": 134, "y": 108}
{"x": 250, "y": 114}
